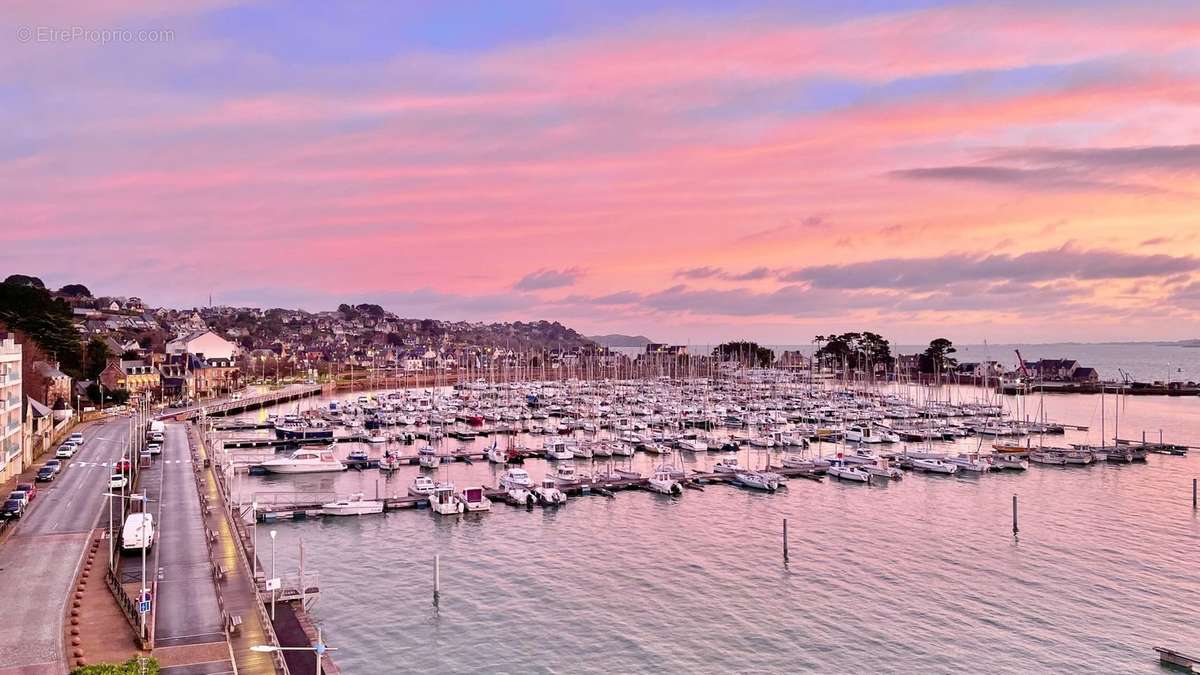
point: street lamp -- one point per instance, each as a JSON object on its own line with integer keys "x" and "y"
{"x": 136, "y": 498}
{"x": 254, "y": 538}
{"x": 319, "y": 649}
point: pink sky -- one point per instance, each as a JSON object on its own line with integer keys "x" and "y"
{"x": 1026, "y": 173}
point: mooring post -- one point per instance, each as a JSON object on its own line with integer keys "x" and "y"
{"x": 437, "y": 578}
{"x": 785, "y": 541}
{"x": 1014, "y": 515}
{"x": 1193, "y": 494}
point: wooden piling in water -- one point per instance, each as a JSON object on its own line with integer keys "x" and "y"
{"x": 437, "y": 578}
{"x": 1193, "y": 494}
{"x": 785, "y": 541}
{"x": 1014, "y": 515}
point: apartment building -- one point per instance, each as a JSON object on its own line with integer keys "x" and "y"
{"x": 10, "y": 409}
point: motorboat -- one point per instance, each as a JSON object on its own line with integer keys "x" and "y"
{"x": 816, "y": 465}
{"x": 934, "y": 466}
{"x": 428, "y": 458}
{"x": 565, "y": 473}
{"x": 548, "y": 493}
{"x": 497, "y": 455}
{"x": 857, "y": 433}
{"x": 727, "y": 464}
{"x": 1009, "y": 461}
{"x": 756, "y": 480}
{"x": 421, "y": 486}
{"x": 671, "y": 470}
{"x": 664, "y": 483}
{"x": 558, "y": 450}
{"x": 358, "y": 456}
{"x": 843, "y": 471}
{"x": 602, "y": 449}
{"x": 883, "y": 470}
{"x": 621, "y": 449}
{"x": 1050, "y": 456}
{"x": 377, "y": 438}
{"x": 860, "y": 456}
{"x": 515, "y": 478}
{"x": 628, "y": 474}
{"x": 305, "y": 461}
{"x": 444, "y": 502}
{"x": 354, "y": 505}
{"x": 474, "y": 500}
{"x": 582, "y": 451}
{"x": 693, "y": 445}
{"x": 970, "y": 462}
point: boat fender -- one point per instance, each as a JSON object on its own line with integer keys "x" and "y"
{"x": 461, "y": 507}
{"x": 529, "y": 500}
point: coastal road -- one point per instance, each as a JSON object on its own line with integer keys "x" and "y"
{"x": 38, "y": 563}
{"x": 188, "y": 612}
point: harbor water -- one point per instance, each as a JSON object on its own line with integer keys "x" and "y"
{"x": 919, "y": 575}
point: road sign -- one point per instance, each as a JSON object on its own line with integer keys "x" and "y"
{"x": 273, "y": 584}
{"x": 144, "y": 607}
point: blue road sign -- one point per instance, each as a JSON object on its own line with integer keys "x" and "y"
{"x": 144, "y": 607}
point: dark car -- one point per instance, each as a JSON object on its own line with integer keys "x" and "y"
{"x": 13, "y": 508}
{"x": 46, "y": 473}
{"x": 20, "y": 496}
{"x": 29, "y": 489}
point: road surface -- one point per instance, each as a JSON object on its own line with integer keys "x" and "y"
{"x": 38, "y": 563}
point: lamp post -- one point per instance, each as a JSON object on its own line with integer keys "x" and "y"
{"x": 254, "y": 539}
{"x": 273, "y": 590}
{"x": 319, "y": 649}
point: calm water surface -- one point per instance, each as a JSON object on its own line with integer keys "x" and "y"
{"x": 923, "y": 575}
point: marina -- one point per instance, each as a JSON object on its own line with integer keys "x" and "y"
{"x": 833, "y": 522}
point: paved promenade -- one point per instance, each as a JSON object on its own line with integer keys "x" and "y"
{"x": 39, "y": 561}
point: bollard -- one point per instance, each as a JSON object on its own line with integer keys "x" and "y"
{"x": 1014, "y": 515}
{"x": 437, "y": 578}
{"x": 785, "y": 541}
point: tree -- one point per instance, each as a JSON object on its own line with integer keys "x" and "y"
{"x": 95, "y": 357}
{"x": 747, "y": 353}
{"x": 25, "y": 280}
{"x": 855, "y": 350}
{"x": 111, "y": 396}
{"x": 130, "y": 667}
{"x": 31, "y": 310}
{"x": 936, "y": 358}
{"x": 75, "y": 291}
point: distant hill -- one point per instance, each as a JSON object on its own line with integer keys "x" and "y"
{"x": 617, "y": 340}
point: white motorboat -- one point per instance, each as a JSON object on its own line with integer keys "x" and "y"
{"x": 663, "y": 483}
{"x": 354, "y": 505}
{"x": 861, "y": 456}
{"x": 621, "y": 449}
{"x": 970, "y": 462}
{"x": 565, "y": 473}
{"x": 756, "y": 480}
{"x": 843, "y": 471}
{"x": 883, "y": 470}
{"x": 627, "y": 474}
{"x": 377, "y": 438}
{"x": 671, "y": 470}
{"x": 693, "y": 445}
{"x": 557, "y": 450}
{"x": 602, "y": 449}
{"x": 1009, "y": 461}
{"x": 859, "y": 433}
{"x": 428, "y": 458}
{"x": 474, "y": 500}
{"x": 727, "y": 464}
{"x": 305, "y": 461}
{"x": 582, "y": 451}
{"x": 389, "y": 463}
{"x": 421, "y": 486}
{"x": 934, "y": 466}
{"x": 496, "y": 454}
{"x": 815, "y": 465}
{"x": 515, "y": 478}
{"x": 444, "y": 502}
{"x": 1051, "y": 456}
{"x": 548, "y": 493}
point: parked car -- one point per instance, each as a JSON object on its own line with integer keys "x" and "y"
{"x": 156, "y": 437}
{"x": 13, "y": 508}
{"x": 65, "y": 451}
{"x": 20, "y": 496}
{"x": 54, "y": 464}
{"x": 29, "y": 489}
{"x": 117, "y": 481}
{"x": 154, "y": 448}
{"x": 76, "y": 438}
{"x": 46, "y": 473}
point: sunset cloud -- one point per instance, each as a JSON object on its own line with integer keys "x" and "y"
{"x": 738, "y": 170}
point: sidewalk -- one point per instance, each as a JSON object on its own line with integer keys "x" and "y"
{"x": 238, "y": 594}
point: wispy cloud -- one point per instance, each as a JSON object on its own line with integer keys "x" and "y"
{"x": 545, "y": 279}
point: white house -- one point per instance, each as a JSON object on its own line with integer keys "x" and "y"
{"x": 205, "y": 342}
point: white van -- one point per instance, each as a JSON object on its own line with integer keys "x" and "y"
{"x": 138, "y": 532}
{"x": 156, "y": 427}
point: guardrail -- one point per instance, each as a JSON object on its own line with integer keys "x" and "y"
{"x": 129, "y": 608}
